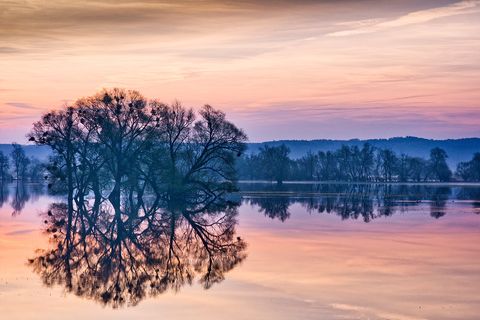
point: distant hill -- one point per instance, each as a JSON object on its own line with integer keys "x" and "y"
{"x": 458, "y": 150}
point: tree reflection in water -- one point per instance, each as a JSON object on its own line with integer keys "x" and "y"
{"x": 156, "y": 242}
{"x": 20, "y": 197}
{"x": 19, "y": 194}
{"x": 354, "y": 201}
{"x": 120, "y": 259}
{"x": 3, "y": 193}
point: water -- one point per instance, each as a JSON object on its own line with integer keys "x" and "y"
{"x": 313, "y": 252}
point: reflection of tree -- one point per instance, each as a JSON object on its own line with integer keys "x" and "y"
{"x": 438, "y": 202}
{"x": 273, "y": 207}
{"x": 354, "y": 201}
{"x": 20, "y": 197}
{"x": 122, "y": 259}
{"x": 21, "y": 194}
{"x": 471, "y": 193}
{"x": 3, "y": 193}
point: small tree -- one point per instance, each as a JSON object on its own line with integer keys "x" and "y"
{"x": 366, "y": 162}
{"x": 470, "y": 170}
{"x": 36, "y": 170}
{"x": 387, "y": 163}
{"x": 438, "y": 167}
{"x": 4, "y": 168}
{"x": 417, "y": 168}
{"x": 20, "y": 162}
{"x": 328, "y": 166}
{"x": 306, "y": 167}
{"x": 275, "y": 162}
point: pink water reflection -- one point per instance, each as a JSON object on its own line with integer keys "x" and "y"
{"x": 311, "y": 266}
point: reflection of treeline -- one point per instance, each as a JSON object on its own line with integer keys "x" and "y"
{"x": 351, "y": 163}
{"x": 355, "y": 201}
{"x": 20, "y": 167}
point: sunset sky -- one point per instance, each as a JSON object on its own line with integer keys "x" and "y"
{"x": 279, "y": 69}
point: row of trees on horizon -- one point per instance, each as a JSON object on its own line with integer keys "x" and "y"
{"x": 354, "y": 164}
{"x": 119, "y": 136}
{"x": 366, "y": 164}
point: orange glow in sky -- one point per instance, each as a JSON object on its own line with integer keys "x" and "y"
{"x": 280, "y": 69}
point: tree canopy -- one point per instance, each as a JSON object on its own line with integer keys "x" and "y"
{"x": 141, "y": 143}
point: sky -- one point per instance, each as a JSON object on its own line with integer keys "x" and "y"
{"x": 279, "y": 69}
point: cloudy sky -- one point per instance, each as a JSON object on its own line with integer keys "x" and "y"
{"x": 280, "y": 69}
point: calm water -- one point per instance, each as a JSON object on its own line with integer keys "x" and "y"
{"x": 313, "y": 252}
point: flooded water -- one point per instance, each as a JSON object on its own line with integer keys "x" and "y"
{"x": 296, "y": 251}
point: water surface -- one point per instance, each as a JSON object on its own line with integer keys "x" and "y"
{"x": 314, "y": 251}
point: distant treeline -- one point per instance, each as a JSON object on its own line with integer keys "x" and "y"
{"x": 17, "y": 166}
{"x": 458, "y": 150}
{"x": 353, "y": 163}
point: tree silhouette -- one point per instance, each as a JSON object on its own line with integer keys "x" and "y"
{"x": 20, "y": 162}
{"x": 470, "y": 170}
{"x": 4, "y": 168}
{"x": 438, "y": 168}
{"x": 275, "y": 162}
{"x": 145, "y": 209}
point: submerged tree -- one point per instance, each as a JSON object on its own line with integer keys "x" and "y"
{"x": 20, "y": 162}
{"x": 140, "y": 144}
{"x": 4, "y": 168}
{"x": 328, "y": 167}
{"x": 306, "y": 168}
{"x": 470, "y": 170}
{"x": 36, "y": 170}
{"x": 438, "y": 168}
{"x": 387, "y": 164}
{"x": 348, "y": 163}
{"x": 275, "y": 162}
{"x": 196, "y": 155}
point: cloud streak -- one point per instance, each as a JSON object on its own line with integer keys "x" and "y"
{"x": 416, "y": 17}
{"x": 21, "y": 105}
